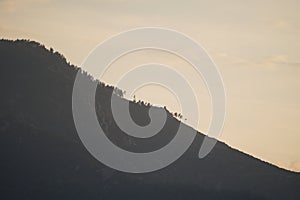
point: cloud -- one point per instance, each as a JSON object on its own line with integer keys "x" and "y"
{"x": 279, "y": 61}
{"x": 231, "y": 59}
{"x": 271, "y": 62}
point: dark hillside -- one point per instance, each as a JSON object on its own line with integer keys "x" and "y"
{"x": 42, "y": 156}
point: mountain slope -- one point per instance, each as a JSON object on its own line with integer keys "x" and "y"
{"x": 42, "y": 156}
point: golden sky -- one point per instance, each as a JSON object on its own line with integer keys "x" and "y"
{"x": 254, "y": 43}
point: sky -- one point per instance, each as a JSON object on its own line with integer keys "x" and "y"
{"x": 255, "y": 45}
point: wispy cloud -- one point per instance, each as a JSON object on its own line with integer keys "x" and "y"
{"x": 270, "y": 62}
{"x": 278, "y": 61}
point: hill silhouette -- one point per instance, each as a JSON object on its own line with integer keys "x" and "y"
{"x": 42, "y": 156}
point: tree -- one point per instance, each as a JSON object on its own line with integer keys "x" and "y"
{"x": 118, "y": 92}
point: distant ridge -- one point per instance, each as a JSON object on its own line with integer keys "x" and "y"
{"x": 42, "y": 156}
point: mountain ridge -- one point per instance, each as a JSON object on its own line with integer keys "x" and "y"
{"x": 32, "y": 43}
{"x": 46, "y": 86}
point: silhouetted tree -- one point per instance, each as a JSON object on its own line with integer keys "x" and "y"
{"x": 118, "y": 92}
{"x": 180, "y": 116}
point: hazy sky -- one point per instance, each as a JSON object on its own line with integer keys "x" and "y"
{"x": 254, "y": 43}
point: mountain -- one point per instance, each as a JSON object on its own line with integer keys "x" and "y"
{"x": 42, "y": 156}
